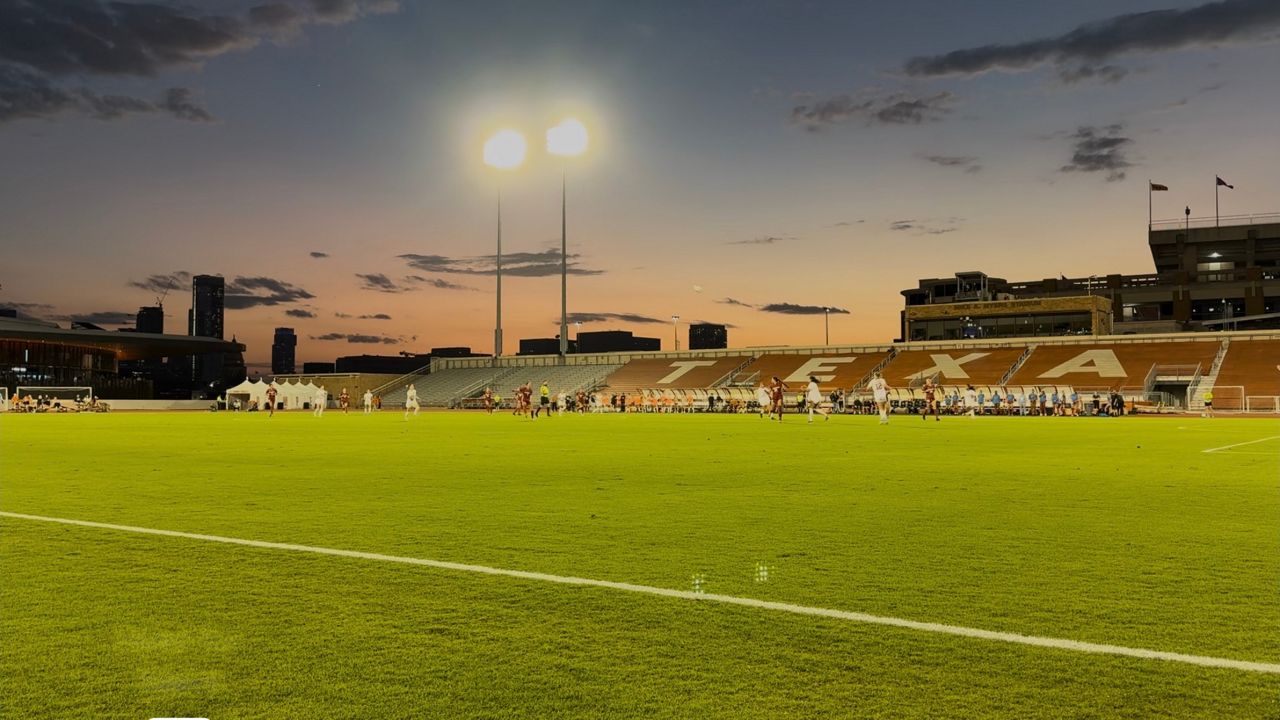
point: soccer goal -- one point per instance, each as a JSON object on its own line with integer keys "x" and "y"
{"x": 66, "y": 394}
{"x": 1262, "y": 404}
{"x": 1228, "y": 398}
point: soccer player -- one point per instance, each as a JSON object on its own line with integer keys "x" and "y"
{"x": 930, "y": 401}
{"x": 271, "y": 401}
{"x": 880, "y": 393}
{"x": 777, "y": 392}
{"x": 544, "y": 399}
{"x": 322, "y": 399}
{"x": 762, "y": 399}
{"x": 561, "y": 399}
{"x": 488, "y": 400}
{"x": 1208, "y": 404}
{"x": 815, "y": 399}
{"x": 344, "y": 401}
{"x": 971, "y": 402}
{"x": 368, "y": 402}
{"x": 410, "y": 401}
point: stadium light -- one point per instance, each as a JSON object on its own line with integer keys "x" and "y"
{"x": 568, "y": 139}
{"x": 504, "y": 151}
{"x": 675, "y": 331}
{"x": 826, "y": 325}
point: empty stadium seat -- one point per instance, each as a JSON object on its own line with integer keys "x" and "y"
{"x": 1253, "y": 365}
{"x": 673, "y": 373}
{"x": 833, "y": 371}
{"x": 1110, "y": 366}
{"x": 976, "y": 366}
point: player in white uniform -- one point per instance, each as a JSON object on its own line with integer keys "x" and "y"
{"x": 322, "y": 399}
{"x": 880, "y": 393}
{"x": 763, "y": 400}
{"x": 813, "y": 398}
{"x": 971, "y": 402}
{"x": 410, "y": 401}
{"x": 368, "y": 401}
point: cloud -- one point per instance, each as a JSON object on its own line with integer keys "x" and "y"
{"x": 1100, "y": 149}
{"x": 376, "y": 316}
{"x": 381, "y": 283}
{"x": 1227, "y": 22}
{"x": 439, "y": 283}
{"x": 588, "y": 317}
{"x": 937, "y": 226}
{"x": 358, "y": 339}
{"x": 28, "y": 311}
{"x": 965, "y": 162}
{"x": 893, "y": 109}
{"x": 43, "y": 41}
{"x": 178, "y": 280}
{"x": 517, "y": 264}
{"x": 763, "y": 240}
{"x": 739, "y": 303}
{"x": 29, "y": 95}
{"x": 299, "y": 313}
{"x": 794, "y": 309}
{"x": 100, "y": 318}
{"x": 1105, "y": 74}
{"x": 248, "y": 292}
{"x": 318, "y": 255}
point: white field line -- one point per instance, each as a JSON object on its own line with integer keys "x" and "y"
{"x": 1251, "y": 442}
{"x": 1007, "y": 637}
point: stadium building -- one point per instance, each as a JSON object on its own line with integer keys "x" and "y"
{"x": 1207, "y": 277}
{"x": 42, "y": 354}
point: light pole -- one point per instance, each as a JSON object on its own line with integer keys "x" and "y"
{"x": 826, "y": 326}
{"x": 504, "y": 151}
{"x": 568, "y": 139}
{"x": 675, "y": 331}
{"x": 577, "y": 329}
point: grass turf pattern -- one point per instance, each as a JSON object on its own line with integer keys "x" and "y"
{"x": 1105, "y": 530}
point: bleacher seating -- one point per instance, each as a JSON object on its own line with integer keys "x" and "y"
{"x": 1253, "y": 365}
{"x": 673, "y": 373}
{"x": 439, "y": 388}
{"x": 976, "y": 366}
{"x": 833, "y": 371}
{"x": 567, "y": 378}
{"x": 1111, "y": 366}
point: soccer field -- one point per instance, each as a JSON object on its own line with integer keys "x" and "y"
{"x": 1120, "y": 532}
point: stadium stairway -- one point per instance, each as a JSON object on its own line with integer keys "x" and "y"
{"x": 1195, "y": 393}
{"x": 1110, "y": 366}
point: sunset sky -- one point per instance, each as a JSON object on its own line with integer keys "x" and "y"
{"x": 325, "y": 157}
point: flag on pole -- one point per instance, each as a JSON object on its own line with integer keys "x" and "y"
{"x": 1225, "y": 184}
{"x": 1157, "y": 187}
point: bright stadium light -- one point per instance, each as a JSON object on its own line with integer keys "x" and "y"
{"x": 567, "y": 139}
{"x": 505, "y": 150}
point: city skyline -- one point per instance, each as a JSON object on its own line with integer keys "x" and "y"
{"x": 748, "y": 166}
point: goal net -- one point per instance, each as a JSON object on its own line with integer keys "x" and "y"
{"x": 66, "y": 395}
{"x": 1262, "y": 403}
{"x": 1228, "y": 398}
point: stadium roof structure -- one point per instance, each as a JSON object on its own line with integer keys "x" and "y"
{"x": 126, "y": 345}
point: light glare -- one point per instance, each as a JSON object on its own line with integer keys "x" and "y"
{"x": 567, "y": 139}
{"x": 505, "y": 150}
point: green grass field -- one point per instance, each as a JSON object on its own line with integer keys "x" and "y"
{"x": 1116, "y": 531}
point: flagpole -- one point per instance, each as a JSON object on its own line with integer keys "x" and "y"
{"x": 1149, "y": 193}
{"x": 1217, "y": 217}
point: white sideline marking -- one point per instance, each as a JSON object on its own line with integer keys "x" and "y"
{"x": 1251, "y": 442}
{"x": 1008, "y": 637}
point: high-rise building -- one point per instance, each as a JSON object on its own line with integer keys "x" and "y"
{"x": 708, "y": 336}
{"x": 150, "y": 320}
{"x": 205, "y": 320}
{"x": 283, "y": 351}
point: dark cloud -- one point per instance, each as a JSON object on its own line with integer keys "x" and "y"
{"x": 380, "y": 282}
{"x": 299, "y": 313}
{"x": 517, "y": 264}
{"x": 29, "y": 95}
{"x": 794, "y": 309}
{"x": 439, "y": 283}
{"x": 587, "y": 317}
{"x": 1105, "y": 74}
{"x": 28, "y": 311}
{"x": 42, "y": 41}
{"x": 248, "y": 292}
{"x": 1100, "y": 149}
{"x": 100, "y": 318}
{"x": 763, "y": 240}
{"x": 893, "y": 109}
{"x": 731, "y": 301}
{"x": 1215, "y": 23}
{"x": 358, "y": 339}
{"x": 179, "y": 280}
{"x": 965, "y": 162}
{"x": 940, "y": 226}
{"x": 376, "y": 316}
{"x": 318, "y": 255}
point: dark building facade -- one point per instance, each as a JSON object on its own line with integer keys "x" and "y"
{"x": 150, "y": 320}
{"x": 615, "y": 341}
{"x": 544, "y": 346}
{"x": 1206, "y": 278}
{"x": 284, "y": 349}
{"x": 708, "y": 336}
{"x": 317, "y": 368}
{"x": 382, "y": 364}
{"x": 205, "y": 319}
